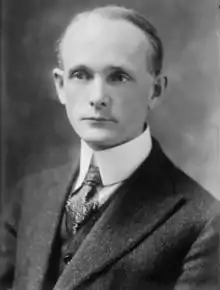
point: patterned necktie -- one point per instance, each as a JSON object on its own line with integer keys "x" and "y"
{"x": 82, "y": 203}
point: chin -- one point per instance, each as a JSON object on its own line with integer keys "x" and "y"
{"x": 100, "y": 141}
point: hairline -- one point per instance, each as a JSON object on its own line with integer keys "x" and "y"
{"x": 128, "y": 15}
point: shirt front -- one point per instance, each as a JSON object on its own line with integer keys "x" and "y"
{"x": 115, "y": 164}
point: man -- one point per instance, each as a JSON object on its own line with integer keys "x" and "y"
{"x": 140, "y": 222}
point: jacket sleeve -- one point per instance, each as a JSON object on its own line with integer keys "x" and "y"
{"x": 9, "y": 221}
{"x": 201, "y": 267}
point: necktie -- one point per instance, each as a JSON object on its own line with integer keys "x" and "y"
{"x": 82, "y": 203}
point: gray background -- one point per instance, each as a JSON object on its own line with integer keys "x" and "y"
{"x": 33, "y": 123}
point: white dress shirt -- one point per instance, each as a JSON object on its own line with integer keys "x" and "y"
{"x": 115, "y": 164}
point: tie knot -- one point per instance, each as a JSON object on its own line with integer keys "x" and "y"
{"x": 93, "y": 177}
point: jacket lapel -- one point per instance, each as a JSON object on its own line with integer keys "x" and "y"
{"x": 143, "y": 203}
{"x": 49, "y": 200}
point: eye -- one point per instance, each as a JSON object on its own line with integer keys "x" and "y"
{"x": 80, "y": 75}
{"x": 119, "y": 76}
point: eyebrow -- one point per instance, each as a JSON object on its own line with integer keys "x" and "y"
{"x": 113, "y": 67}
{"x": 123, "y": 69}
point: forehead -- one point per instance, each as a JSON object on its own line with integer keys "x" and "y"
{"x": 95, "y": 40}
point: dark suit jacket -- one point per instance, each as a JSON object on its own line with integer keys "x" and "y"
{"x": 161, "y": 231}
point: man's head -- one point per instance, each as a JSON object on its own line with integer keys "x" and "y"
{"x": 111, "y": 61}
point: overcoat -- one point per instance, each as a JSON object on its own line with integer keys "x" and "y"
{"x": 161, "y": 230}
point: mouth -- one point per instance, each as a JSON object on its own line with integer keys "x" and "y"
{"x": 99, "y": 119}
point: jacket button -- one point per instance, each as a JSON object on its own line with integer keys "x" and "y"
{"x": 67, "y": 258}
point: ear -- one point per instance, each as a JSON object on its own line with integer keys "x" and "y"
{"x": 58, "y": 76}
{"x": 159, "y": 87}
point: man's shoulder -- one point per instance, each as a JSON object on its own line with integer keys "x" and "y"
{"x": 191, "y": 188}
{"x": 198, "y": 199}
{"x": 43, "y": 173}
{"x": 52, "y": 166}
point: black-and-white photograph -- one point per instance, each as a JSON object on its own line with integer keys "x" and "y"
{"x": 110, "y": 145}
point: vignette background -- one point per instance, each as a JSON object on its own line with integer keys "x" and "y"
{"x": 35, "y": 133}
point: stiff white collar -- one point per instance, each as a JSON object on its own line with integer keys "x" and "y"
{"x": 118, "y": 163}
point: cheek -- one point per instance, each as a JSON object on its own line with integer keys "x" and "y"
{"x": 72, "y": 92}
{"x": 132, "y": 106}
{"x": 74, "y": 98}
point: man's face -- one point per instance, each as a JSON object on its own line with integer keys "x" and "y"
{"x": 105, "y": 85}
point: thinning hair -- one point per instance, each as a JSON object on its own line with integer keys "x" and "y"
{"x": 154, "y": 59}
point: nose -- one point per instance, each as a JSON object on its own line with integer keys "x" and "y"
{"x": 99, "y": 97}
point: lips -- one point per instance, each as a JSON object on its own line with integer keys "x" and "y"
{"x": 100, "y": 119}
